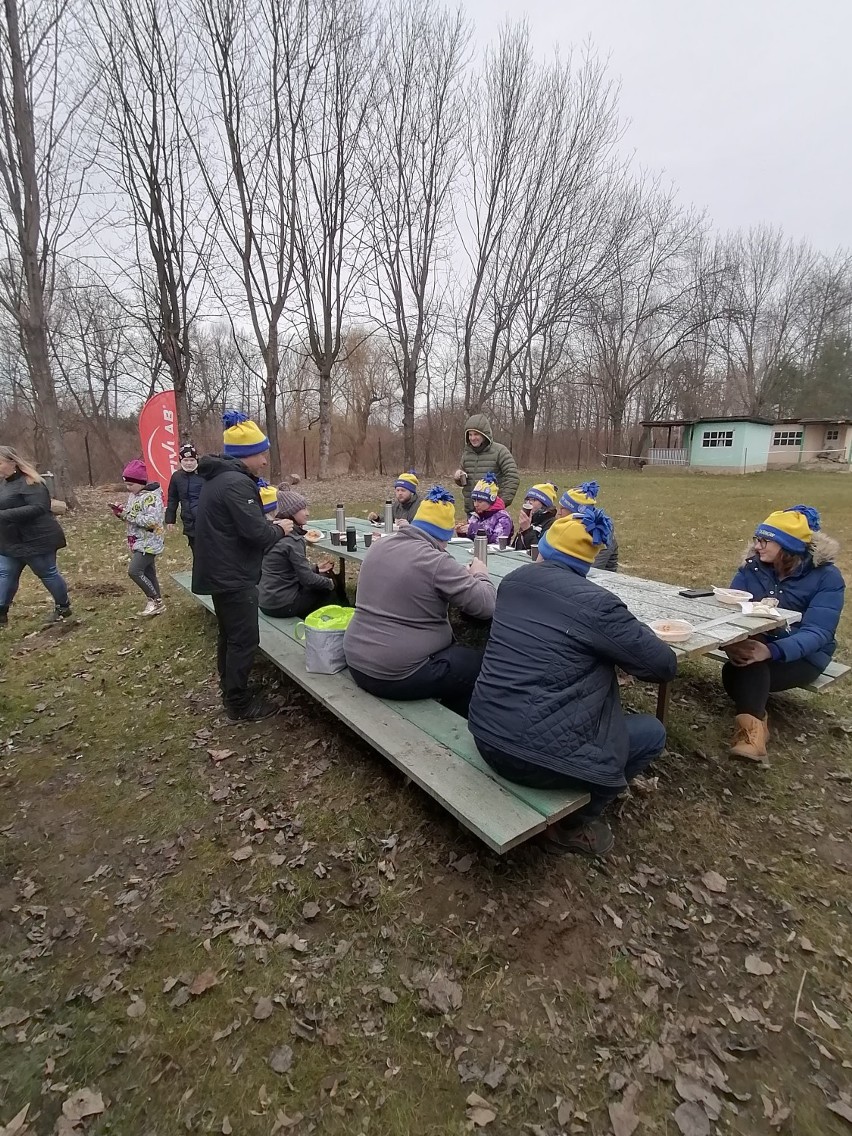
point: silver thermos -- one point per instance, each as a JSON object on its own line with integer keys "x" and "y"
{"x": 340, "y": 519}
{"x": 480, "y": 548}
{"x": 388, "y": 516}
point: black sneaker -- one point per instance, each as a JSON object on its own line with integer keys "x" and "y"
{"x": 57, "y": 616}
{"x": 591, "y": 838}
{"x": 258, "y": 709}
{"x": 4, "y": 617}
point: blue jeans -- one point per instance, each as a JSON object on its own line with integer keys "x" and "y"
{"x": 43, "y": 566}
{"x": 646, "y": 740}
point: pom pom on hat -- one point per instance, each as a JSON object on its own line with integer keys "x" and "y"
{"x": 242, "y": 437}
{"x": 545, "y": 493}
{"x": 792, "y": 528}
{"x": 268, "y": 495}
{"x": 436, "y": 514}
{"x": 407, "y": 481}
{"x": 575, "y": 540}
{"x": 486, "y": 489}
{"x": 581, "y": 495}
{"x": 290, "y": 502}
{"x": 136, "y": 471}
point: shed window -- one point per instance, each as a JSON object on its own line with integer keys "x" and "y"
{"x": 787, "y": 438}
{"x": 710, "y": 439}
{"x": 832, "y": 435}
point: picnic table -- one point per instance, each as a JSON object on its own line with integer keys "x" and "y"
{"x": 716, "y": 626}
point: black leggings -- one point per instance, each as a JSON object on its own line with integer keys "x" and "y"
{"x": 750, "y": 686}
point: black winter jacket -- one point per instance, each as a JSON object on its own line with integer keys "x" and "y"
{"x": 540, "y": 522}
{"x": 231, "y": 532}
{"x": 547, "y": 692}
{"x": 184, "y": 490}
{"x": 287, "y": 574}
{"x": 27, "y": 526}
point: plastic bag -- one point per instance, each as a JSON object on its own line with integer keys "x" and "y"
{"x": 322, "y": 633}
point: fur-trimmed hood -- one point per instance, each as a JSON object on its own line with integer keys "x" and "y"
{"x": 823, "y": 550}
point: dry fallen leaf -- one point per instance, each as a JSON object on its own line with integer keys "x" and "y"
{"x": 16, "y": 1125}
{"x": 441, "y": 994}
{"x": 622, "y": 1115}
{"x": 842, "y": 1108}
{"x": 755, "y": 965}
{"x": 217, "y": 755}
{"x": 464, "y": 864}
{"x": 479, "y": 1111}
{"x": 13, "y": 1017}
{"x": 311, "y": 910}
{"x": 84, "y": 1103}
{"x": 263, "y": 1009}
{"x": 241, "y": 854}
{"x": 281, "y": 1059}
{"x": 226, "y": 1127}
{"x": 203, "y": 982}
{"x": 137, "y": 1007}
{"x": 714, "y": 882}
{"x": 691, "y": 1119}
{"x": 387, "y": 995}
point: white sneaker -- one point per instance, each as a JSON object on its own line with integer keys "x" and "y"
{"x": 151, "y": 608}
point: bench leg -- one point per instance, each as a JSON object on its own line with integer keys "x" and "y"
{"x": 664, "y": 692}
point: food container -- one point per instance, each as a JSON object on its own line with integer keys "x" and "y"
{"x": 312, "y": 536}
{"x": 731, "y": 597}
{"x": 672, "y": 630}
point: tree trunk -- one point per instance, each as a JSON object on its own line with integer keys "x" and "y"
{"x": 34, "y": 321}
{"x": 324, "y": 422}
{"x": 409, "y": 449}
{"x": 270, "y": 407}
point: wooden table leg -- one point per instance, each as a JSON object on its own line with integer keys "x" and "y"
{"x": 664, "y": 692}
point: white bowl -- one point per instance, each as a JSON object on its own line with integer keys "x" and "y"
{"x": 672, "y": 630}
{"x": 732, "y": 597}
{"x": 312, "y": 538}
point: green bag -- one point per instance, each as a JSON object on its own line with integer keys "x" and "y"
{"x": 322, "y": 633}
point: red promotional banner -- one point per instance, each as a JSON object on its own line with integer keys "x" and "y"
{"x": 158, "y": 430}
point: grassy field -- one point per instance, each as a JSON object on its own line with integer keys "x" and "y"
{"x": 210, "y": 928}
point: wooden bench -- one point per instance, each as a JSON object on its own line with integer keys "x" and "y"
{"x": 831, "y": 674}
{"x": 428, "y": 743}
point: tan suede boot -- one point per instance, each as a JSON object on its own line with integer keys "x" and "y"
{"x": 750, "y": 737}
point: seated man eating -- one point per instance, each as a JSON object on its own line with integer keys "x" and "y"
{"x": 546, "y": 710}
{"x": 399, "y": 643}
{"x": 405, "y": 499}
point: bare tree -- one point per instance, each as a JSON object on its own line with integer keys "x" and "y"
{"x": 42, "y": 173}
{"x": 414, "y": 148}
{"x": 144, "y": 67}
{"x": 328, "y": 114}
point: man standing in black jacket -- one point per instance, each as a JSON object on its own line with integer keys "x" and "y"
{"x": 231, "y": 537}
{"x": 546, "y": 710}
{"x": 184, "y": 490}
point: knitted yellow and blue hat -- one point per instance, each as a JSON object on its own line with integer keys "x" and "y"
{"x": 545, "y": 493}
{"x": 268, "y": 496}
{"x": 242, "y": 437}
{"x": 792, "y": 528}
{"x": 407, "y": 481}
{"x": 575, "y": 540}
{"x": 486, "y": 490}
{"x": 581, "y": 495}
{"x": 436, "y": 514}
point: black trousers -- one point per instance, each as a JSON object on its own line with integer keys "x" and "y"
{"x": 750, "y": 686}
{"x": 448, "y": 676}
{"x": 304, "y": 603}
{"x": 236, "y": 617}
{"x": 190, "y": 540}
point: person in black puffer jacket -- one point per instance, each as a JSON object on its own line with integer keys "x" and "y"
{"x": 184, "y": 491}
{"x": 231, "y": 537}
{"x": 289, "y": 585}
{"x": 30, "y": 536}
{"x": 536, "y": 516}
{"x": 545, "y": 710}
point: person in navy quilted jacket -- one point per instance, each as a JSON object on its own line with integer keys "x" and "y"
{"x": 791, "y": 562}
{"x": 546, "y": 710}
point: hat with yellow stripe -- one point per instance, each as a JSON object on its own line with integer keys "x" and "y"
{"x": 242, "y": 437}
{"x": 792, "y": 528}
{"x": 545, "y": 494}
{"x": 436, "y": 514}
{"x": 575, "y": 541}
{"x": 407, "y": 481}
{"x": 486, "y": 490}
{"x": 580, "y": 495}
{"x": 268, "y": 496}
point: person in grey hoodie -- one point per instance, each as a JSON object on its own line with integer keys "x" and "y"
{"x": 289, "y": 584}
{"x": 482, "y": 455}
{"x": 399, "y": 643}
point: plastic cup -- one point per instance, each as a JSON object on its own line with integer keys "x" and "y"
{"x": 335, "y": 538}
{"x": 502, "y": 541}
{"x": 368, "y": 539}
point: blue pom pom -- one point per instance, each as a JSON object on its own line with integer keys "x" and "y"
{"x": 490, "y": 479}
{"x": 233, "y": 418}
{"x": 590, "y": 488}
{"x": 810, "y": 514}
{"x": 439, "y": 494}
{"x": 596, "y": 523}
{"x": 413, "y": 472}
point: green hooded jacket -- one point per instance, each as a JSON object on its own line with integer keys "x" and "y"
{"x": 491, "y": 457}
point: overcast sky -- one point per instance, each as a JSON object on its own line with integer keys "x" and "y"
{"x": 745, "y": 104}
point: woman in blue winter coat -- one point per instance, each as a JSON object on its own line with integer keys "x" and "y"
{"x": 792, "y": 562}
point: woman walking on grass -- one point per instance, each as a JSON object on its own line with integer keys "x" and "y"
{"x": 144, "y": 514}
{"x": 30, "y": 536}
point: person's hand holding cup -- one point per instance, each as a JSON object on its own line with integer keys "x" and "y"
{"x": 460, "y": 477}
